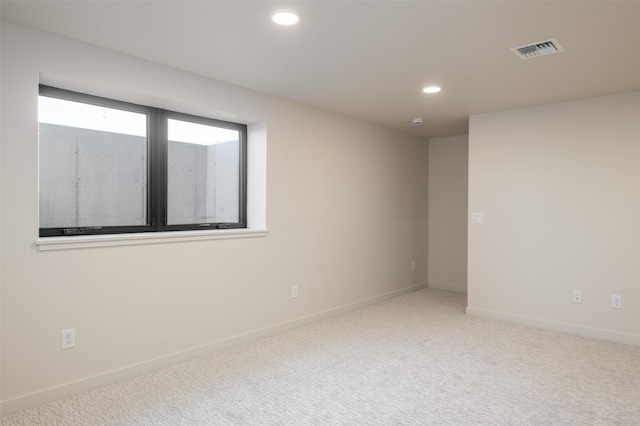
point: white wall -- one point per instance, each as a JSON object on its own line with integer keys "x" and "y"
{"x": 346, "y": 213}
{"x": 559, "y": 186}
{"x": 448, "y": 166}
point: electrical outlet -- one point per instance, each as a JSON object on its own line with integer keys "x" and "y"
{"x": 616, "y": 301}
{"x": 294, "y": 291}
{"x": 577, "y": 296}
{"x": 68, "y": 338}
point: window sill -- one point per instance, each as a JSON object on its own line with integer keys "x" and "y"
{"x": 90, "y": 241}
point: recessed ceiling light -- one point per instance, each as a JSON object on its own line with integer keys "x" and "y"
{"x": 431, "y": 89}
{"x": 286, "y": 17}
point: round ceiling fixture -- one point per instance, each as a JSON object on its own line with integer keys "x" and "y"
{"x": 432, "y": 89}
{"x": 286, "y": 17}
{"x": 417, "y": 121}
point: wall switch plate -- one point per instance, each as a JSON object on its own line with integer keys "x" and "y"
{"x": 413, "y": 266}
{"x": 616, "y": 301}
{"x": 294, "y": 291}
{"x": 477, "y": 218}
{"x": 68, "y": 338}
{"x": 577, "y": 296}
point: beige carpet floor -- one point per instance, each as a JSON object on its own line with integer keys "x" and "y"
{"x": 413, "y": 360}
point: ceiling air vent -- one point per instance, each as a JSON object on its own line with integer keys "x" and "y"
{"x": 541, "y": 48}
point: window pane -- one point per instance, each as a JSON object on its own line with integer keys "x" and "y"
{"x": 93, "y": 165}
{"x": 203, "y": 177}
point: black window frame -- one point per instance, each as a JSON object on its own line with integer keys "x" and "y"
{"x": 157, "y": 178}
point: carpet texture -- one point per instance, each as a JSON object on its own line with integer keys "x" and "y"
{"x": 413, "y": 360}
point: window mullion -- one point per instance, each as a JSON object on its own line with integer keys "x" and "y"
{"x": 158, "y": 187}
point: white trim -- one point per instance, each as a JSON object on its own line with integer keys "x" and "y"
{"x": 51, "y": 394}
{"x": 596, "y": 333}
{"x": 458, "y": 288}
{"x": 107, "y": 240}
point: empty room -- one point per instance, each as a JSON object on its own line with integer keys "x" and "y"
{"x": 319, "y": 212}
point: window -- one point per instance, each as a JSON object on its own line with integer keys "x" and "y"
{"x": 108, "y": 167}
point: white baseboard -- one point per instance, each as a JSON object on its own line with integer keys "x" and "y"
{"x": 89, "y": 383}
{"x": 458, "y": 288}
{"x": 613, "y": 336}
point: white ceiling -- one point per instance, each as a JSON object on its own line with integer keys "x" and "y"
{"x": 370, "y": 59}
